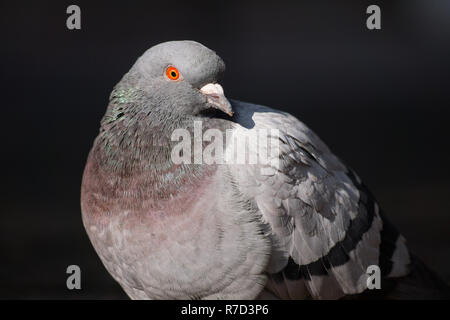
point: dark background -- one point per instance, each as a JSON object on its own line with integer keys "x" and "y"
{"x": 379, "y": 99}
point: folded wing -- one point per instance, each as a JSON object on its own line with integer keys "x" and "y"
{"x": 325, "y": 225}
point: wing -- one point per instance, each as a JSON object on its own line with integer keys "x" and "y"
{"x": 325, "y": 225}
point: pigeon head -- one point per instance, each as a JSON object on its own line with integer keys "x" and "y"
{"x": 181, "y": 77}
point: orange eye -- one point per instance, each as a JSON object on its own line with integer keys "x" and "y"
{"x": 172, "y": 73}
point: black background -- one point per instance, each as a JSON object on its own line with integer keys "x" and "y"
{"x": 379, "y": 99}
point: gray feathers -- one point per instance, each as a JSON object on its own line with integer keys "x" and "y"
{"x": 325, "y": 219}
{"x": 197, "y": 64}
{"x": 306, "y": 228}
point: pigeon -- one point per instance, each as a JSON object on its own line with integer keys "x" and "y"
{"x": 298, "y": 225}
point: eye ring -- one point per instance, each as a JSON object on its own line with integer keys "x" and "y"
{"x": 172, "y": 73}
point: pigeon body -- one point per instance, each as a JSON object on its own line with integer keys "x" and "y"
{"x": 307, "y": 228}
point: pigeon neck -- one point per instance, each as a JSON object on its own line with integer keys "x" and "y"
{"x": 142, "y": 152}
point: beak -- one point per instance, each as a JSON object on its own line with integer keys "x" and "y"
{"x": 215, "y": 96}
